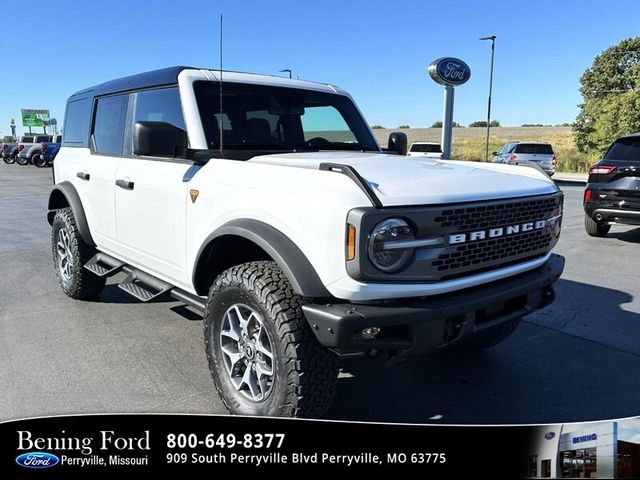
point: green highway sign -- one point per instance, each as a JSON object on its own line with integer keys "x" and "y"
{"x": 35, "y": 118}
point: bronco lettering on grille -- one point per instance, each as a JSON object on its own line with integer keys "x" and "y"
{"x": 496, "y": 232}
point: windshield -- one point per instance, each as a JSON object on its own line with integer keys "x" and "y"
{"x": 264, "y": 117}
{"x": 426, "y": 148}
{"x": 534, "y": 148}
{"x": 625, "y": 149}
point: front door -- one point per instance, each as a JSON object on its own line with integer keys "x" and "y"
{"x": 151, "y": 194}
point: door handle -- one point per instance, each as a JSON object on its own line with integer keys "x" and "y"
{"x": 83, "y": 175}
{"x": 126, "y": 184}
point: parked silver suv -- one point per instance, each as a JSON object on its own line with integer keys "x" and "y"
{"x": 525, "y": 153}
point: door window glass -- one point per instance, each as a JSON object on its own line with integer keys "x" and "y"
{"x": 108, "y": 131}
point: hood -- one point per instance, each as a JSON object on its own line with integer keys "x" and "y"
{"x": 399, "y": 180}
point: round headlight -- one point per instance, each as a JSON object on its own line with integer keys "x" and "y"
{"x": 385, "y": 247}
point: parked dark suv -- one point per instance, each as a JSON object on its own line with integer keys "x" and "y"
{"x": 612, "y": 195}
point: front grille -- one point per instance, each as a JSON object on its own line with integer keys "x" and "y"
{"x": 458, "y": 255}
{"x": 488, "y": 254}
{"x": 494, "y": 251}
{"x": 491, "y": 216}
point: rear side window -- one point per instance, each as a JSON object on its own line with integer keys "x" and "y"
{"x": 108, "y": 130}
{"x": 76, "y": 123}
{"x": 42, "y": 138}
{"x": 534, "y": 148}
{"x": 627, "y": 149}
{"x": 26, "y": 140}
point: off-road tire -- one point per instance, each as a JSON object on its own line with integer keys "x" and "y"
{"x": 305, "y": 373}
{"x": 38, "y": 160}
{"x": 487, "y": 338}
{"x": 82, "y": 283}
{"x": 595, "y": 228}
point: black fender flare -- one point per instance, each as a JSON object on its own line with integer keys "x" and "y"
{"x": 69, "y": 192}
{"x": 295, "y": 265}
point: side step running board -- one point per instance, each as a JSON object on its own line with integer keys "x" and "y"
{"x": 103, "y": 265}
{"x": 143, "y": 286}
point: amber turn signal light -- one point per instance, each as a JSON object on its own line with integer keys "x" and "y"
{"x": 351, "y": 242}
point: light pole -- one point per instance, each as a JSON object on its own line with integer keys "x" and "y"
{"x": 286, "y": 70}
{"x": 493, "y": 49}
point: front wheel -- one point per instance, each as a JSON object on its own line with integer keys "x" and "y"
{"x": 262, "y": 354}
{"x": 594, "y": 228}
{"x": 21, "y": 160}
{"x": 8, "y": 159}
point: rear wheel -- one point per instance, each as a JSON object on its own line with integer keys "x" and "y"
{"x": 595, "y": 228}
{"x": 21, "y": 160}
{"x": 263, "y": 356}
{"x": 70, "y": 254}
{"x": 38, "y": 160}
{"x": 8, "y": 160}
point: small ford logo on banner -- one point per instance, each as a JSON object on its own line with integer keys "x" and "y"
{"x": 449, "y": 71}
{"x": 37, "y": 460}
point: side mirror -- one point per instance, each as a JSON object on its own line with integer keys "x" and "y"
{"x": 398, "y": 143}
{"x": 494, "y": 153}
{"x": 158, "y": 139}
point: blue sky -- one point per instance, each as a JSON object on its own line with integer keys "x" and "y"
{"x": 377, "y": 50}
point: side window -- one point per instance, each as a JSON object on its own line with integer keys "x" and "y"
{"x": 76, "y": 123}
{"x": 108, "y": 129}
{"x": 327, "y": 123}
{"x": 161, "y": 105}
{"x": 511, "y": 148}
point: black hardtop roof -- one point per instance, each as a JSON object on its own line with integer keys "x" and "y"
{"x": 153, "y": 78}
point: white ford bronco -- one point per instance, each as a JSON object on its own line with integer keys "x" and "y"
{"x": 267, "y": 204}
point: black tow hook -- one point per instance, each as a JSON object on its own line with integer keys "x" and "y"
{"x": 548, "y": 296}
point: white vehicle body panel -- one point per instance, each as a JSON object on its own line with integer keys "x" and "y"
{"x": 151, "y": 217}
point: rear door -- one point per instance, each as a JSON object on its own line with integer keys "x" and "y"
{"x": 95, "y": 173}
{"x": 152, "y": 194}
{"x": 621, "y": 186}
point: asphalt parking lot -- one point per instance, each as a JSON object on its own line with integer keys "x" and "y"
{"x": 577, "y": 360}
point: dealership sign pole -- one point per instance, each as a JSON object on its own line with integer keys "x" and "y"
{"x": 450, "y": 72}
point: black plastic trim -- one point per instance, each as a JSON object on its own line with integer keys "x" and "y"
{"x": 303, "y": 277}
{"x": 73, "y": 199}
{"x": 420, "y": 325}
{"x": 353, "y": 174}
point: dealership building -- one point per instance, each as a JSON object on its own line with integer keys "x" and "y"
{"x": 592, "y": 450}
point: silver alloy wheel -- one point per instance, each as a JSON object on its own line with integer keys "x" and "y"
{"x": 248, "y": 352}
{"x": 65, "y": 257}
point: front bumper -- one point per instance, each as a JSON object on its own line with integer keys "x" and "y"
{"x": 417, "y": 327}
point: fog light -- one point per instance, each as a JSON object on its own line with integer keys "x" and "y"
{"x": 369, "y": 332}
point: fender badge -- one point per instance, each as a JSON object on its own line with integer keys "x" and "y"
{"x": 194, "y": 194}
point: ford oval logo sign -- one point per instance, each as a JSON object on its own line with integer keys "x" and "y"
{"x": 449, "y": 71}
{"x": 37, "y": 460}
{"x": 550, "y": 435}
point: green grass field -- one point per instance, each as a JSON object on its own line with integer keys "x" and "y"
{"x": 469, "y": 143}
